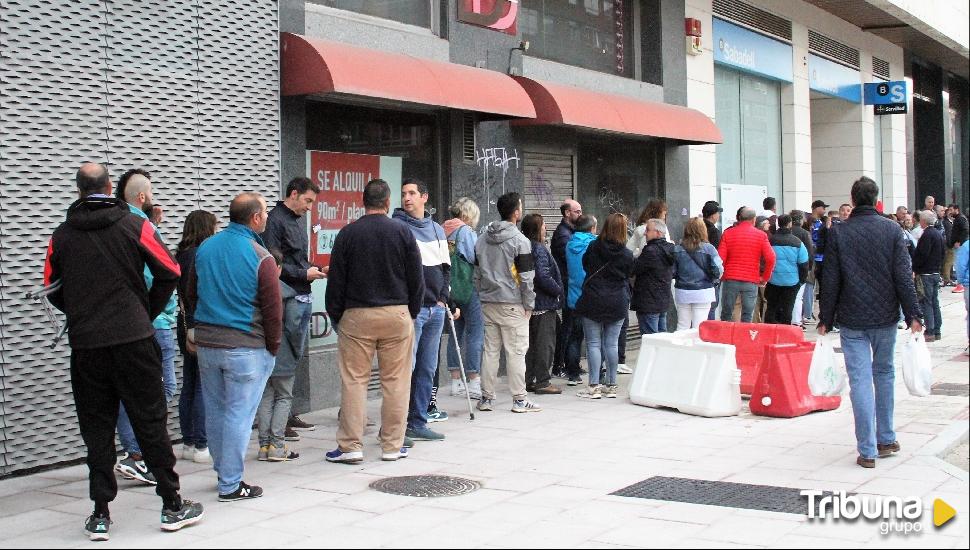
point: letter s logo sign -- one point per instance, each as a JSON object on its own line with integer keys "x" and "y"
{"x": 898, "y": 93}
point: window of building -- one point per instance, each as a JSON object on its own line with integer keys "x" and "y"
{"x": 618, "y": 176}
{"x": 350, "y": 129}
{"x": 748, "y": 113}
{"x": 409, "y": 12}
{"x": 593, "y": 34}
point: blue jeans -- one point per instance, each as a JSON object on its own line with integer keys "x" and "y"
{"x": 652, "y": 323}
{"x": 808, "y": 304}
{"x": 729, "y": 295}
{"x": 717, "y": 300}
{"x": 427, "y": 339}
{"x": 471, "y": 336}
{"x": 166, "y": 341}
{"x": 573, "y": 327}
{"x": 930, "y": 302}
{"x": 296, "y": 330}
{"x": 869, "y": 363}
{"x": 233, "y": 381}
{"x": 191, "y": 404}
{"x": 601, "y": 343}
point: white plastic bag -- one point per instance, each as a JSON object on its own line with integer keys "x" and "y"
{"x": 825, "y": 377}
{"x": 917, "y": 366}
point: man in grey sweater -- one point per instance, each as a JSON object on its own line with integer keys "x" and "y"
{"x": 504, "y": 280}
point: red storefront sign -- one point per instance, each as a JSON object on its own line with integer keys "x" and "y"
{"x": 341, "y": 178}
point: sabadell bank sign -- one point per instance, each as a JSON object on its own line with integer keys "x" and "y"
{"x": 751, "y": 52}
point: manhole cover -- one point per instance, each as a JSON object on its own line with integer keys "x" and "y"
{"x": 720, "y": 493}
{"x": 958, "y": 390}
{"x": 426, "y": 486}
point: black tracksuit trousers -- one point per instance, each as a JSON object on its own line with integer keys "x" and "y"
{"x": 131, "y": 374}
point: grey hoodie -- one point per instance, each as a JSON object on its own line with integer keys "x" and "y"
{"x": 505, "y": 267}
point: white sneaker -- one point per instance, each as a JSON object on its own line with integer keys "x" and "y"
{"x": 202, "y": 456}
{"x": 457, "y": 388}
{"x": 475, "y": 388}
{"x": 623, "y": 369}
{"x": 188, "y": 452}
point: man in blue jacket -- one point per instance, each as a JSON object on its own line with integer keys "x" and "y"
{"x": 791, "y": 268}
{"x": 233, "y": 296}
{"x": 575, "y": 275}
{"x": 436, "y": 259}
{"x": 867, "y": 276}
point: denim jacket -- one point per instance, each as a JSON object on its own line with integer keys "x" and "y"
{"x": 688, "y": 275}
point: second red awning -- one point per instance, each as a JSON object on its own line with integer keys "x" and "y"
{"x": 558, "y": 104}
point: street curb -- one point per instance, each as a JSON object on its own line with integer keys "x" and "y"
{"x": 934, "y": 451}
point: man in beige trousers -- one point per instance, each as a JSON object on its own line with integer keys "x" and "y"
{"x": 375, "y": 290}
{"x": 504, "y": 280}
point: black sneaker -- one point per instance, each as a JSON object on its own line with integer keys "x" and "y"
{"x": 190, "y": 513}
{"x": 297, "y": 424}
{"x": 291, "y": 435}
{"x": 129, "y": 468}
{"x": 575, "y": 381}
{"x": 242, "y": 493}
{"x": 97, "y": 527}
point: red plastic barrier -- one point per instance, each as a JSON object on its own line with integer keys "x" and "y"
{"x": 782, "y": 386}
{"x": 749, "y": 341}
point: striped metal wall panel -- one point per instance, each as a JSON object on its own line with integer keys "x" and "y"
{"x": 187, "y": 89}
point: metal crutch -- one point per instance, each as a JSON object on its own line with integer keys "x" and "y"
{"x": 461, "y": 364}
{"x": 41, "y": 296}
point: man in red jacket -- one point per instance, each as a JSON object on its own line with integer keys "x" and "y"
{"x": 748, "y": 263}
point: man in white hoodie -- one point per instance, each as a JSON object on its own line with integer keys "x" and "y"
{"x": 504, "y": 280}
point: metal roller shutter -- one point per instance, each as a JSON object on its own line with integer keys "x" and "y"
{"x": 548, "y": 182}
{"x": 188, "y": 90}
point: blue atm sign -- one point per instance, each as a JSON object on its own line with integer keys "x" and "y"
{"x": 888, "y": 97}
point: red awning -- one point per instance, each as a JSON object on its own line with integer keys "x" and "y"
{"x": 313, "y": 66}
{"x": 570, "y": 106}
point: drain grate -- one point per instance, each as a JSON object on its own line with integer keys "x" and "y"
{"x": 958, "y": 390}
{"x": 719, "y": 493}
{"x": 426, "y": 486}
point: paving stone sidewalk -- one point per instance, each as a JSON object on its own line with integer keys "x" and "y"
{"x": 546, "y": 480}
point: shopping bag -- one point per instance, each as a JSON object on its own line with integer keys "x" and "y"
{"x": 825, "y": 377}
{"x": 917, "y": 366}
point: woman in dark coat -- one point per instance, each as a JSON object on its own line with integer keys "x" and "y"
{"x": 542, "y": 324}
{"x": 605, "y": 302}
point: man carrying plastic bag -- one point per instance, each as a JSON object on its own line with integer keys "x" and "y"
{"x": 868, "y": 274}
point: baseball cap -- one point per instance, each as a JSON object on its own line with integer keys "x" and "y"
{"x": 711, "y": 207}
{"x": 816, "y": 204}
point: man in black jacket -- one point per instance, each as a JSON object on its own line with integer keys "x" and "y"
{"x": 654, "y": 270}
{"x": 956, "y": 233}
{"x": 571, "y": 211}
{"x": 927, "y": 261}
{"x": 286, "y": 232}
{"x": 99, "y": 255}
{"x": 797, "y": 219}
{"x": 867, "y": 276}
{"x": 712, "y": 215}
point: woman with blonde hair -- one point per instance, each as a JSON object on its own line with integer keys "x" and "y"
{"x": 470, "y": 326}
{"x": 697, "y": 268}
{"x": 605, "y": 302}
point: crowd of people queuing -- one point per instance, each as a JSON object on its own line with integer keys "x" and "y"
{"x": 396, "y": 280}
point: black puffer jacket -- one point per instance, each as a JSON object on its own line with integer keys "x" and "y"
{"x": 930, "y": 252}
{"x": 868, "y": 273}
{"x": 606, "y": 290}
{"x": 654, "y": 270}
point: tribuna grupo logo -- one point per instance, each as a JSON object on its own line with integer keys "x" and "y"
{"x": 894, "y": 514}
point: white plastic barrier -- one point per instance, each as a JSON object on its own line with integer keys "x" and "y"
{"x": 683, "y": 372}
